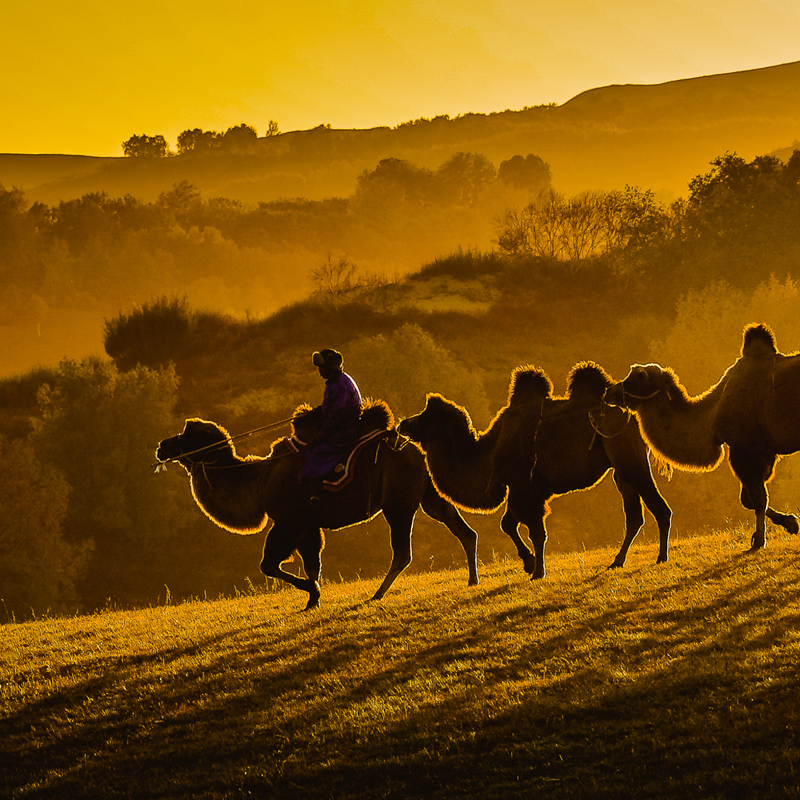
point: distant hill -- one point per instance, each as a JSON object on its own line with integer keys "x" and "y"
{"x": 654, "y": 136}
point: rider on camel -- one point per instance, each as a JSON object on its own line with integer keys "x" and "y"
{"x": 338, "y": 434}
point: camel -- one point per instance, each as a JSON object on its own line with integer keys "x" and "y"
{"x": 537, "y": 447}
{"x": 753, "y": 409}
{"x": 242, "y": 494}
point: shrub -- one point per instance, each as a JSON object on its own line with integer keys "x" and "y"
{"x": 151, "y": 335}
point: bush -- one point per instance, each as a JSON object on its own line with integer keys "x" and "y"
{"x": 38, "y": 568}
{"x": 402, "y": 367}
{"x": 151, "y": 335}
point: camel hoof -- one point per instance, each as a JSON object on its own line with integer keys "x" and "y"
{"x": 313, "y": 598}
{"x": 755, "y": 545}
{"x": 616, "y": 565}
{"x": 792, "y": 526}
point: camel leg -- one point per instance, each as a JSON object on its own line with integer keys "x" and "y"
{"x": 634, "y": 518}
{"x": 400, "y": 526}
{"x": 436, "y": 507}
{"x": 787, "y": 521}
{"x": 755, "y": 498}
{"x": 753, "y": 471}
{"x": 310, "y": 550}
{"x": 509, "y": 524}
{"x": 281, "y": 542}
{"x": 633, "y": 493}
{"x": 522, "y": 509}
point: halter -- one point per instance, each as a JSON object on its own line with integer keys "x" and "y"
{"x": 639, "y": 396}
{"x": 596, "y": 425}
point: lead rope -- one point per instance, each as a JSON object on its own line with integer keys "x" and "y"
{"x": 162, "y": 465}
{"x": 536, "y": 436}
{"x": 597, "y": 425}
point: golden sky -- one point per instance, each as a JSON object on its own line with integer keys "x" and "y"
{"x": 81, "y": 76}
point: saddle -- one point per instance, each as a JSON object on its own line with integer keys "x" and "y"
{"x": 377, "y": 423}
{"x": 342, "y": 473}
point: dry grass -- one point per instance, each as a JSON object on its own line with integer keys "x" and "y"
{"x": 674, "y": 681}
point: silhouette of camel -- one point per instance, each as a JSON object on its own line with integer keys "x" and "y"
{"x": 754, "y": 409}
{"x": 241, "y": 494}
{"x": 536, "y": 447}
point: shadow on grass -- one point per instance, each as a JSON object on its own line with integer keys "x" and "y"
{"x": 588, "y": 696}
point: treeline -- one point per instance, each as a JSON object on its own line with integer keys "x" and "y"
{"x": 108, "y": 252}
{"x": 195, "y": 141}
{"x": 85, "y": 519}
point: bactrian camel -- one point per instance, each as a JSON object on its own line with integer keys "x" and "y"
{"x": 537, "y": 447}
{"x": 754, "y": 409}
{"x": 241, "y": 494}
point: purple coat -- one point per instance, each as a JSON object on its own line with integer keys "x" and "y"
{"x": 341, "y": 409}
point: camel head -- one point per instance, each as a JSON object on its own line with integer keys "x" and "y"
{"x": 641, "y": 383}
{"x": 435, "y": 420}
{"x": 200, "y": 442}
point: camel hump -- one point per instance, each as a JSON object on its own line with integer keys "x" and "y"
{"x": 758, "y": 340}
{"x": 528, "y": 384}
{"x": 376, "y": 415}
{"x": 587, "y": 379}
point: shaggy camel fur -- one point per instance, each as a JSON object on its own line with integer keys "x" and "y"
{"x": 241, "y": 494}
{"x": 539, "y": 446}
{"x": 754, "y": 409}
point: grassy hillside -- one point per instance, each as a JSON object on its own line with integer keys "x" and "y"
{"x": 656, "y": 136}
{"x": 665, "y": 682}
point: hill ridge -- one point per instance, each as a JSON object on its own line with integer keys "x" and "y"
{"x": 598, "y": 139}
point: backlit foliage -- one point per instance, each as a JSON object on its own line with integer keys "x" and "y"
{"x": 38, "y": 566}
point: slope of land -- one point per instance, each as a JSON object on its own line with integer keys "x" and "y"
{"x": 656, "y": 136}
{"x": 655, "y": 682}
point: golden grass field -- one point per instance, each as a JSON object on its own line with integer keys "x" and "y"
{"x": 672, "y": 681}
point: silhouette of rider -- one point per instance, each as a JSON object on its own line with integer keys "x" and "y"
{"x": 338, "y": 434}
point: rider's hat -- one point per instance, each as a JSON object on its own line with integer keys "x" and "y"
{"x": 327, "y": 358}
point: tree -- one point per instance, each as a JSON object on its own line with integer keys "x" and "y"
{"x": 463, "y": 177}
{"x": 272, "y": 128}
{"x": 393, "y": 181}
{"x": 99, "y": 428}
{"x": 401, "y": 367}
{"x": 145, "y": 147}
{"x": 38, "y": 568}
{"x": 197, "y": 141}
{"x": 525, "y": 173}
{"x": 183, "y": 200}
{"x": 536, "y": 229}
{"x": 737, "y": 199}
{"x": 586, "y": 225}
{"x": 240, "y": 138}
{"x": 333, "y": 277}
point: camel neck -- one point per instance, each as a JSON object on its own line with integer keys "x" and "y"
{"x": 681, "y": 428}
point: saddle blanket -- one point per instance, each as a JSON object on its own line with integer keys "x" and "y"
{"x": 341, "y": 474}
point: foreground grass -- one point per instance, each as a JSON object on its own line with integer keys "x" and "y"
{"x": 671, "y": 681}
